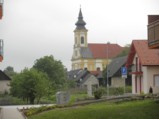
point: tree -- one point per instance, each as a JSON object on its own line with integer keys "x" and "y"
{"x": 53, "y": 68}
{"x": 125, "y": 51}
{"x": 9, "y": 71}
{"x": 104, "y": 80}
{"x": 30, "y": 84}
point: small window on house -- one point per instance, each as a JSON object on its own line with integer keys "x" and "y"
{"x": 156, "y": 80}
{"x": 82, "y": 40}
{"x": 75, "y": 40}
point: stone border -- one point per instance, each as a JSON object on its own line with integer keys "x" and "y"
{"x": 1, "y": 115}
{"x": 22, "y": 113}
{"x": 114, "y": 99}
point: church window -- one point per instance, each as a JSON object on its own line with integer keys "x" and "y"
{"x": 76, "y": 53}
{"x": 82, "y": 40}
{"x": 75, "y": 40}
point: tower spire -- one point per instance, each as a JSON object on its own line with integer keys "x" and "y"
{"x": 80, "y": 24}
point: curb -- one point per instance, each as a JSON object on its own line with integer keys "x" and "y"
{"x": 21, "y": 113}
{"x": 0, "y": 113}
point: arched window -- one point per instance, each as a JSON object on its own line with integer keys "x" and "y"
{"x": 82, "y": 40}
{"x": 75, "y": 40}
{"x": 76, "y": 53}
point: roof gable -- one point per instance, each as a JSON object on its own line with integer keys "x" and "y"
{"x": 3, "y": 76}
{"x": 146, "y": 56}
{"x": 116, "y": 65}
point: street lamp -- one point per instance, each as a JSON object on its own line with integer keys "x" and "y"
{"x": 107, "y": 72}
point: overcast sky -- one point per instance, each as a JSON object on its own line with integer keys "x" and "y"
{"x": 35, "y": 28}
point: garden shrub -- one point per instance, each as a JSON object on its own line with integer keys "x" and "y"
{"x": 98, "y": 93}
{"x": 117, "y": 91}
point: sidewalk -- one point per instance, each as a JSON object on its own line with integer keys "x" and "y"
{"x": 11, "y": 113}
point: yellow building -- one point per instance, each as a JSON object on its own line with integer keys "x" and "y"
{"x": 90, "y": 56}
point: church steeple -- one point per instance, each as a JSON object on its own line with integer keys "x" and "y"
{"x": 80, "y": 41}
{"x": 80, "y": 24}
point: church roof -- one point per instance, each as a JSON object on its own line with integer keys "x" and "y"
{"x": 146, "y": 55}
{"x": 80, "y": 24}
{"x": 86, "y": 52}
{"x": 101, "y": 51}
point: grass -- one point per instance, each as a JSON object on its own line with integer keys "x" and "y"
{"x": 128, "y": 110}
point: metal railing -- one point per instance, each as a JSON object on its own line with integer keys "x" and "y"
{"x": 153, "y": 37}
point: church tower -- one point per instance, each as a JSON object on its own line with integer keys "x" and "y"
{"x": 91, "y": 56}
{"x": 80, "y": 38}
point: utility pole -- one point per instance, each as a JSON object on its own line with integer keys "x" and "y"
{"x": 107, "y": 72}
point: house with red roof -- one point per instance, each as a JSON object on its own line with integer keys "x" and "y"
{"x": 144, "y": 65}
{"x": 91, "y": 56}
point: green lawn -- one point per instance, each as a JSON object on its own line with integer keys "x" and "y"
{"x": 127, "y": 110}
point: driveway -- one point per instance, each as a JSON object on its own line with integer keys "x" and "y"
{"x": 11, "y": 112}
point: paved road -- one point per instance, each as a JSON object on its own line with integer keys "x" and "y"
{"x": 11, "y": 112}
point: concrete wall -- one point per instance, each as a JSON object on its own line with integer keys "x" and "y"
{"x": 153, "y": 70}
{"x": 4, "y": 86}
{"x": 117, "y": 82}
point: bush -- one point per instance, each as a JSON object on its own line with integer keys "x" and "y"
{"x": 9, "y": 100}
{"x": 98, "y": 93}
{"x": 34, "y": 110}
{"x": 128, "y": 89}
{"x": 117, "y": 91}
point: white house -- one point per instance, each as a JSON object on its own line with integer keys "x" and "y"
{"x": 144, "y": 64}
{"x": 4, "y": 83}
{"x": 84, "y": 79}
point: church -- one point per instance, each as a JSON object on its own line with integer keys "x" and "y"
{"x": 91, "y": 56}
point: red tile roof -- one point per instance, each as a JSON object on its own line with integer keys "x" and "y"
{"x": 100, "y": 50}
{"x": 147, "y": 56}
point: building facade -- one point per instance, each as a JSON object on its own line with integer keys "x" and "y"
{"x": 153, "y": 31}
{"x": 1, "y": 41}
{"x": 4, "y": 83}
{"x": 90, "y": 56}
{"x": 144, "y": 65}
